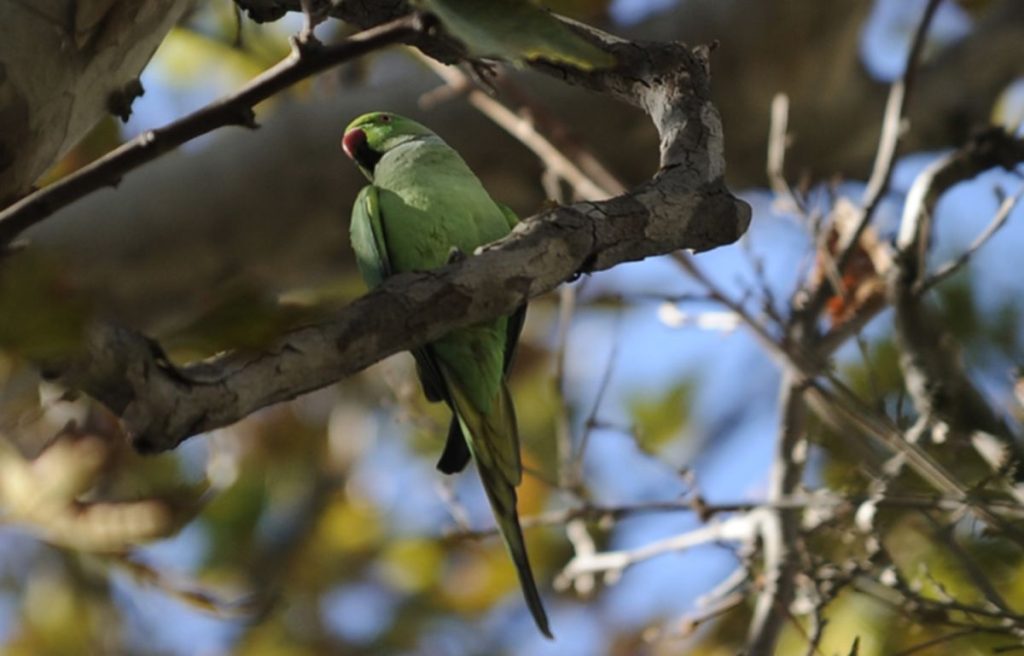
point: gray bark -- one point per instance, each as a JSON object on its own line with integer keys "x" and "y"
{"x": 64, "y": 65}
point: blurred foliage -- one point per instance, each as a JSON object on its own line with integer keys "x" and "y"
{"x": 983, "y": 332}
{"x": 240, "y": 316}
{"x": 321, "y": 527}
{"x": 515, "y": 31}
{"x": 43, "y": 317}
{"x": 659, "y": 419}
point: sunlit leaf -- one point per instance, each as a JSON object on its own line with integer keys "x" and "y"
{"x": 516, "y": 31}
{"x": 660, "y": 418}
{"x": 412, "y": 565}
{"x": 476, "y": 579}
{"x": 350, "y": 526}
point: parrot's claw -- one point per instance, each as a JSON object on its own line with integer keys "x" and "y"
{"x": 455, "y": 254}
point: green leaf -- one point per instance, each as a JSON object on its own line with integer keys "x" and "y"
{"x": 659, "y": 419}
{"x": 515, "y": 31}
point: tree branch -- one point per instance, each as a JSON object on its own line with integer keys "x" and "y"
{"x": 885, "y": 158}
{"x": 935, "y": 376}
{"x": 685, "y": 205}
{"x": 236, "y": 109}
{"x": 738, "y": 528}
{"x": 780, "y": 528}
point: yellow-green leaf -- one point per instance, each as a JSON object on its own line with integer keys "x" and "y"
{"x": 659, "y": 419}
{"x": 516, "y": 31}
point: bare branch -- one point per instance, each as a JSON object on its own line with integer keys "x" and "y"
{"x": 939, "y": 640}
{"x": 885, "y": 156}
{"x": 778, "y": 141}
{"x": 740, "y": 528}
{"x": 684, "y": 206}
{"x": 835, "y": 402}
{"x": 950, "y": 268}
{"x": 521, "y": 129}
{"x": 304, "y": 61}
{"x": 780, "y": 529}
{"x": 935, "y": 377}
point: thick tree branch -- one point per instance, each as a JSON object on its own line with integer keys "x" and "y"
{"x": 935, "y": 376}
{"x": 236, "y": 109}
{"x": 685, "y": 205}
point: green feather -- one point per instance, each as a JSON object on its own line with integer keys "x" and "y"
{"x": 500, "y": 472}
{"x": 424, "y": 200}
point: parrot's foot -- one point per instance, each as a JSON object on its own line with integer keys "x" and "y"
{"x": 455, "y": 254}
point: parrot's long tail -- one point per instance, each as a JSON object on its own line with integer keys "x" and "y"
{"x": 503, "y": 501}
{"x": 494, "y": 441}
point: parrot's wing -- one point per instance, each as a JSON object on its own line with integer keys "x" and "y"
{"x": 368, "y": 242}
{"x": 511, "y": 217}
{"x": 374, "y": 263}
{"x": 515, "y": 322}
{"x": 515, "y": 327}
{"x": 455, "y": 455}
{"x": 494, "y": 441}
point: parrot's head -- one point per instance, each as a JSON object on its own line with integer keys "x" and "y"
{"x": 371, "y": 135}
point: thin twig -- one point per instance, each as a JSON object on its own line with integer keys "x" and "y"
{"x": 562, "y": 135}
{"x": 590, "y": 423}
{"x": 689, "y": 624}
{"x": 895, "y": 110}
{"x": 949, "y": 637}
{"x": 981, "y": 582}
{"x": 563, "y": 433}
{"x": 235, "y": 109}
{"x": 740, "y": 528}
{"x": 885, "y": 156}
{"x": 950, "y": 268}
{"x": 778, "y": 141}
{"x": 189, "y": 592}
{"x": 832, "y": 503}
{"x": 523, "y": 130}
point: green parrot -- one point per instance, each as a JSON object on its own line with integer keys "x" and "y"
{"x": 423, "y": 207}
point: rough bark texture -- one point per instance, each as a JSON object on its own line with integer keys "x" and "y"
{"x": 809, "y": 50}
{"x": 281, "y": 221}
{"x": 685, "y": 205}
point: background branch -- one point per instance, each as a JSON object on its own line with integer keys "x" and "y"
{"x": 304, "y": 61}
{"x": 780, "y": 529}
{"x": 935, "y": 377}
{"x": 685, "y": 205}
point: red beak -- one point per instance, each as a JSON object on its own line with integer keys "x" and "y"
{"x": 351, "y": 142}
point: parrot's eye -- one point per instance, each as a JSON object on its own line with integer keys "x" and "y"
{"x": 385, "y": 118}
